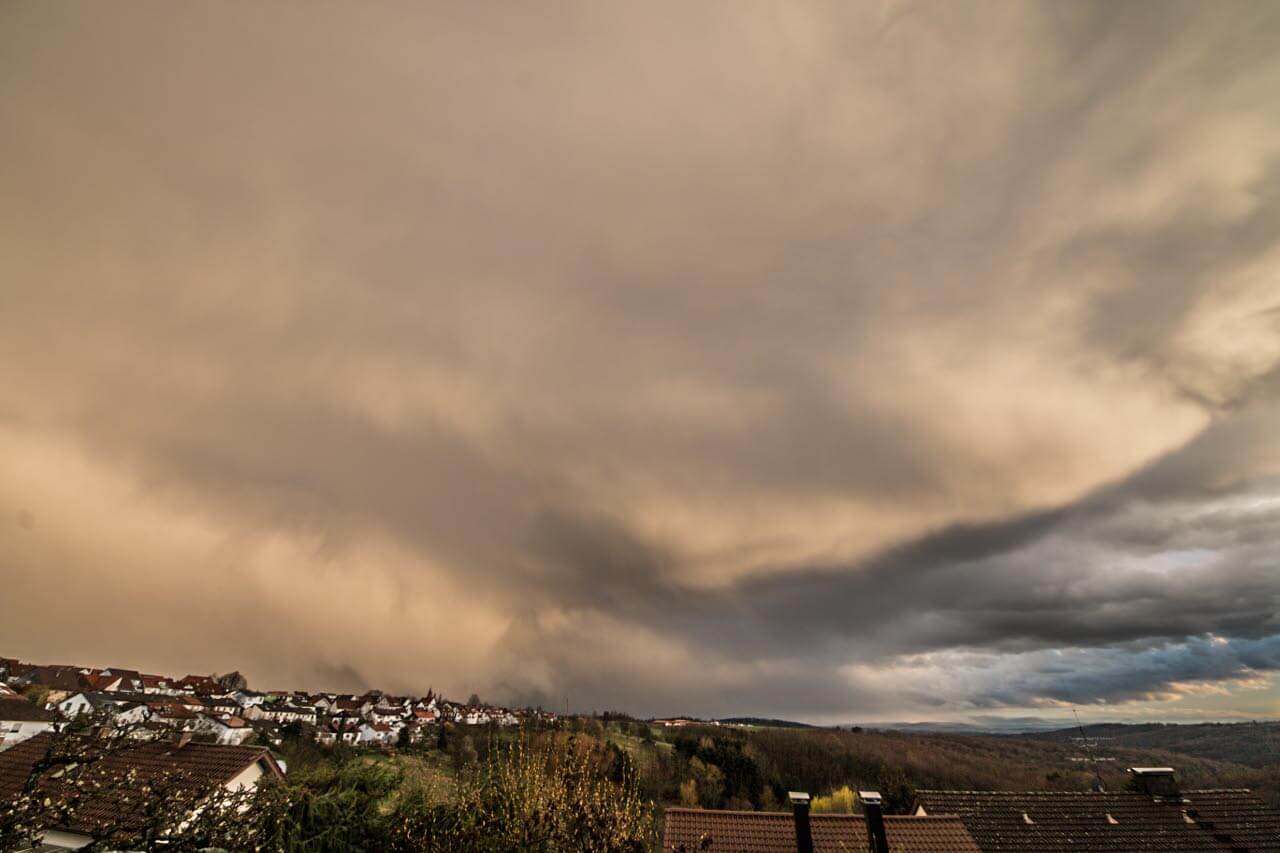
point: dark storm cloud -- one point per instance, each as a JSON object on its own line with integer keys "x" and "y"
{"x": 731, "y": 358}
{"x": 1124, "y": 595}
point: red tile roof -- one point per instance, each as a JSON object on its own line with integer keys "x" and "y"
{"x": 203, "y": 765}
{"x": 1119, "y": 822}
{"x": 774, "y": 832}
{"x": 22, "y": 711}
{"x": 66, "y": 678}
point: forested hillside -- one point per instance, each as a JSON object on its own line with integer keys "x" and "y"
{"x": 749, "y": 767}
{"x": 1255, "y": 744}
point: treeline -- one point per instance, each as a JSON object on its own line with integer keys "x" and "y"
{"x": 754, "y": 768}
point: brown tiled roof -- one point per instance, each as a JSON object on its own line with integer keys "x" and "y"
{"x": 59, "y": 678}
{"x": 203, "y": 765}
{"x": 20, "y": 710}
{"x": 16, "y": 668}
{"x": 774, "y": 832}
{"x": 1112, "y": 822}
{"x": 200, "y": 684}
{"x": 16, "y": 763}
{"x": 93, "y": 681}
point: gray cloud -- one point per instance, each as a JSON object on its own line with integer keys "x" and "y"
{"x": 731, "y": 358}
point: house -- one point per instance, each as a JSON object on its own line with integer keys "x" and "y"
{"x": 325, "y": 704}
{"x": 1158, "y": 815}
{"x": 390, "y": 716}
{"x": 130, "y": 679}
{"x": 281, "y": 713}
{"x": 202, "y": 684}
{"x": 352, "y": 704}
{"x": 290, "y": 713}
{"x": 130, "y": 713}
{"x": 100, "y": 682}
{"x": 172, "y": 714}
{"x": 77, "y": 704}
{"x": 156, "y": 684}
{"x": 203, "y": 766}
{"x": 339, "y": 730}
{"x": 61, "y": 681}
{"x": 21, "y": 720}
{"x": 696, "y": 830}
{"x": 267, "y": 731}
{"x": 395, "y": 703}
{"x": 225, "y": 730}
{"x": 220, "y": 705}
{"x": 245, "y": 698}
{"x": 16, "y": 672}
{"x": 376, "y": 734}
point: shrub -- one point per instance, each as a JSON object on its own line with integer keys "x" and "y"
{"x": 839, "y": 801}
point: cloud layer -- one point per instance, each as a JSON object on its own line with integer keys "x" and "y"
{"x": 820, "y": 361}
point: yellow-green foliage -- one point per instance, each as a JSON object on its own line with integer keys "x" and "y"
{"x": 839, "y": 801}
{"x": 552, "y": 797}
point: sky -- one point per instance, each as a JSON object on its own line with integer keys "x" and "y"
{"x": 829, "y": 361}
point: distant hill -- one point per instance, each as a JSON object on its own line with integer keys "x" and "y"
{"x": 1251, "y": 744}
{"x": 766, "y": 722}
{"x": 975, "y": 726}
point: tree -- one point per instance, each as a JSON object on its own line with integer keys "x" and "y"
{"x": 463, "y": 751}
{"x": 37, "y": 694}
{"x": 839, "y": 801}
{"x": 710, "y": 783}
{"x": 232, "y": 681}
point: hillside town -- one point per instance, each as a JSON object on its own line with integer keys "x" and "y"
{"x": 133, "y": 760}
{"x": 222, "y": 709}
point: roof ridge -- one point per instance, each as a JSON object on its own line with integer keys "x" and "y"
{"x": 1139, "y": 794}
{"x": 823, "y": 815}
{"x": 915, "y": 817}
{"x": 683, "y": 809}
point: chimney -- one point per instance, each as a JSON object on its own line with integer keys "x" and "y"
{"x": 1157, "y": 782}
{"x": 877, "y": 840}
{"x": 800, "y": 811}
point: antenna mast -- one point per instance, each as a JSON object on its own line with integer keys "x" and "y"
{"x": 1088, "y": 747}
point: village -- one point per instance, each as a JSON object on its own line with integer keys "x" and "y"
{"x": 36, "y": 698}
